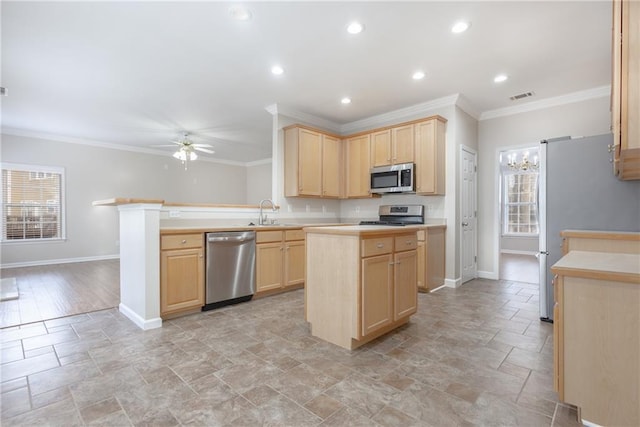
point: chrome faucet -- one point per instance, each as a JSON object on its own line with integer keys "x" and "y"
{"x": 263, "y": 218}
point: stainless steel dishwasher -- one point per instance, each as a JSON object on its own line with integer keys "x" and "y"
{"x": 231, "y": 268}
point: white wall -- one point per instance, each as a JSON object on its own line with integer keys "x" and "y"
{"x": 258, "y": 183}
{"x": 94, "y": 173}
{"x": 584, "y": 118}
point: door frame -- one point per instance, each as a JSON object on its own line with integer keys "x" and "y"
{"x": 474, "y": 153}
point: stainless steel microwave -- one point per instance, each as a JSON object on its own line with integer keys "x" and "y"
{"x": 393, "y": 179}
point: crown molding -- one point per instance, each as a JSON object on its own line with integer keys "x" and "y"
{"x": 305, "y": 117}
{"x": 583, "y": 95}
{"x": 465, "y": 105}
{"x": 398, "y": 115}
{"x": 108, "y": 145}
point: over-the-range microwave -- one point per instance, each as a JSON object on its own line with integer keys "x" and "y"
{"x": 393, "y": 179}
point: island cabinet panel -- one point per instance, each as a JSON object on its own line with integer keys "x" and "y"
{"x": 181, "y": 273}
{"x": 359, "y": 287}
{"x": 377, "y": 293}
{"x": 596, "y": 339}
{"x": 405, "y": 297}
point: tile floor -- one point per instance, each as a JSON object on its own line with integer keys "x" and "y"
{"x": 476, "y": 355}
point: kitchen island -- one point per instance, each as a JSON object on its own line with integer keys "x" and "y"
{"x": 361, "y": 281}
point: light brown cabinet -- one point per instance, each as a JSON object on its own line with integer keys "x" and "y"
{"x": 280, "y": 263}
{"x": 181, "y": 273}
{"x": 312, "y": 163}
{"x": 392, "y": 146}
{"x": 596, "y": 345}
{"x": 625, "y": 89}
{"x": 431, "y": 257}
{"x": 359, "y": 287}
{"x": 430, "y": 156}
{"x": 358, "y": 166}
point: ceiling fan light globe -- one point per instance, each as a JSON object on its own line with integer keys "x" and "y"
{"x": 193, "y": 156}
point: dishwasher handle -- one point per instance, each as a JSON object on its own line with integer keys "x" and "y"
{"x": 223, "y": 237}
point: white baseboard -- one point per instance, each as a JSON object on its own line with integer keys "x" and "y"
{"x": 138, "y": 320}
{"x": 453, "y": 283}
{"x": 438, "y": 288}
{"x": 487, "y": 275}
{"x": 514, "y": 252}
{"x": 59, "y": 261}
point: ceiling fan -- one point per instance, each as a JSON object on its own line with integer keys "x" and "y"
{"x": 187, "y": 149}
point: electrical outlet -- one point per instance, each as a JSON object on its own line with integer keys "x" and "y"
{"x": 357, "y": 209}
{"x": 174, "y": 214}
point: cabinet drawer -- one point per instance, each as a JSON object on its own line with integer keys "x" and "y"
{"x": 268, "y": 236}
{"x": 181, "y": 241}
{"x": 294, "y": 235}
{"x": 406, "y": 243}
{"x": 378, "y": 246}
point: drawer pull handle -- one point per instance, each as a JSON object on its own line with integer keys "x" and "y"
{"x": 184, "y": 241}
{"x": 409, "y": 242}
{"x": 380, "y": 245}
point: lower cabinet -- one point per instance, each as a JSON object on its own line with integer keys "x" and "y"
{"x": 181, "y": 273}
{"x": 431, "y": 257}
{"x": 280, "y": 263}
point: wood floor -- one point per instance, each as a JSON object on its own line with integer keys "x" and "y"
{"x": 53, "y": 291}
{"x": 519, "y": 268}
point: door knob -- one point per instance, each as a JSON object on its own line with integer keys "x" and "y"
{"x": 465, "y": 224}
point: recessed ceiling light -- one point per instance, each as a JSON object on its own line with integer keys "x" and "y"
{"x": 355, "y": 28}
{"x": 277, "y": 70}
{"x": 460, "y": 27}
{"x": 346, "y": 100}
{"x": 500, "y": 78}
{"x": 240, "y": 13}
{"x": 418, "y": 75}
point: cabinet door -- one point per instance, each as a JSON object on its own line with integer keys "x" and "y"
{"x": 310, "y": 163}
{"x": 268, "y": 266}
{"x": 181, "y": 280}
{"x": 358, "y": 166}
{"x": 381, "y": 148}
{"x": 294, "y": 261}
{"x": 404, "y": 284}
{"x": 402, "y": 139}
{"x": 430, "y": 157}
{"x": 330, "y": 166}
{"x": 422, "y": 263}
{"x": 377, "y": 293}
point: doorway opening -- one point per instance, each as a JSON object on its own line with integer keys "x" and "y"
{"x": 519, "y": 213}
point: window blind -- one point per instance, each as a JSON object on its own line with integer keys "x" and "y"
{"x": 31, "y": 203}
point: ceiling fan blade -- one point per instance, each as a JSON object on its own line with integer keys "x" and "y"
{"x": 202, "y": 145}
{"x": 204, "y": 150}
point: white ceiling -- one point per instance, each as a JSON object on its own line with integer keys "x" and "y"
{"x": 140, "y": 73}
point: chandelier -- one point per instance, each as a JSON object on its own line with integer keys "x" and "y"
{"x": 524, "y": 164}
{"x": 185, "y": 154}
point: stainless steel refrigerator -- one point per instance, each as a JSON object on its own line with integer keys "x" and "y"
{"x": 578, "y": 191}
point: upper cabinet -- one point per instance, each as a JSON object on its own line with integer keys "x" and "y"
{"x": 312, "y": 163}
{"x": 318, "y": 164}
{"x": 430, "y": 156}
{"x": 357, "y": 166}
{"x": 392, "y": 146}
{"x": 625, "y": 95}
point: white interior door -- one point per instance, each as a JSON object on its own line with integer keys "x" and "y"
{"x": 468, "y": 214}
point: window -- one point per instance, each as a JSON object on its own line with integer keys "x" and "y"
{"x": 32, "y": 203}
{"x": 520, "y": 208}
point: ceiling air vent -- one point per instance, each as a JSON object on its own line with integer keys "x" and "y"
{"x": 520, "y": 96}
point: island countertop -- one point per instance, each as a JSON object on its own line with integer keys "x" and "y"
{"x": 363, "y": 230}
